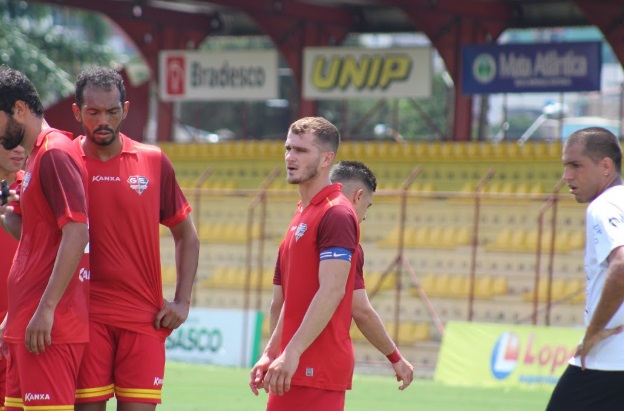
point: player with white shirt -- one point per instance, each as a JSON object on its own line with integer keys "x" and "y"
{"x": 592, "y": 160}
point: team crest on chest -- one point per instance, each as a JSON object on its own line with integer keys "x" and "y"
{"x": 26, "y": 181}
{"x": 138, "y": 183}
{"x": 301, "y": 229}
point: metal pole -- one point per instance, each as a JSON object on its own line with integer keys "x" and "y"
{"x": 475, "y": 240}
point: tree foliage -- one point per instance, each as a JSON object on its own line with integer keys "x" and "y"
{"x": 51, "y": 44}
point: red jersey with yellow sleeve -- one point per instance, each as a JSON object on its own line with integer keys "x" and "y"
{"x": 130, "y": 195}
{"x": 327, "y": 228}
{"x": 52, "y": 195}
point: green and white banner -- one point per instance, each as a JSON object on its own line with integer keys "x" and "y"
{"x": 217, "y": 336}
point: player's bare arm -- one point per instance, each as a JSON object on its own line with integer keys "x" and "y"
{"x": 75, "y": 237}
{"x": 610, "y": 300}
{"x": 333, "y": 275}
{"x": 371, "y": 326}
{"x": 276, "y": 306}
{"x": 175, "y": 312}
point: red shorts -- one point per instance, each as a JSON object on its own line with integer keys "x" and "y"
{"x": 3, "y": 365}
{"x": 307, "y": 399}
{"x": 119, "y": 361}
{"x": 44, "y": 381}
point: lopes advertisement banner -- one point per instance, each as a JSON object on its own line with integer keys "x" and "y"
{"x": 479, "y": 354}
{"x": 218, "y": 76}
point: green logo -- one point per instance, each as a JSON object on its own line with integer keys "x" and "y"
{"x": 484, "y": 68}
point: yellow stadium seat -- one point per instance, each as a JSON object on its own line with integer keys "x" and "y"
{"x": 458, "y": 286}
{"x": 500, "y": 285}
{"x": 484, "y": 287}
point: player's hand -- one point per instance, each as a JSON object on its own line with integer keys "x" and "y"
{"x": 280, "y": 372}
{"x": 256, "y": 376}
{"x": 6, "y": 209}
{"x": 171, "y": 315}
{"x": 404, "y": 372}
{"x": 39, "y": 330}
{"x": 4, "y": 350}
{"x": 591, "y": 339}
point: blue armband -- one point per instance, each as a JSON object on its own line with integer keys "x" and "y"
{"x": 336, "y": 253}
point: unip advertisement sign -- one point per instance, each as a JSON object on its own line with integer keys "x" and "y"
{"x": 522, "y": 68}
{"x": 214, "y": 76}
{"x": 343, "y": 72}
{"x": 217, "y": 336}
{"x": 502, "y": 355}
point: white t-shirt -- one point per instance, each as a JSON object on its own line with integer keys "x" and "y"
{"x": 604, "y": 233}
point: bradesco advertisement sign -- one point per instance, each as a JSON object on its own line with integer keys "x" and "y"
{"x": 481, "y": 354}
{"x": 221, "y": 337}
{"x": 213, "y": 76}
{"x": 519, "y": 68}
{"x": 342, "y": 72}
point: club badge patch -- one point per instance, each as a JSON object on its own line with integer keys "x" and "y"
{"x": 138, "y": 183}
{"x": 301, "y": 229}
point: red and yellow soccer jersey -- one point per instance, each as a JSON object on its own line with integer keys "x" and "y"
{"x": 327, "y": 222}
{"x": 52, "y": 195}
{"x": 129, "y": 196}
{"x": 7, "y": 252}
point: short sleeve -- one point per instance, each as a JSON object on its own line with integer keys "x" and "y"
{"x": 608, "y": 229}
{"x": 338, "y": 228}
{"x": 359, "y": 269}
{"x": 63, "y": 188}
{"x": 173, "y": 205}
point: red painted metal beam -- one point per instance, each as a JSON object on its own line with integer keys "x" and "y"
{"x": 450, "y": 25}
{"x": 119, "y": 11}
{"x": 608, "y": 16}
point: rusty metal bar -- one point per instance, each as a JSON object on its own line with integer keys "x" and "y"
{"x": 475, "y": 239}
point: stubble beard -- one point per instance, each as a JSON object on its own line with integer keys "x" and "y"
{"x": 14, "y": 134}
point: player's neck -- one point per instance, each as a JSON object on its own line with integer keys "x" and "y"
{"x": 33, "y": 127}
{"x": 102, "y": 153}
{"x": 308, "y": 189}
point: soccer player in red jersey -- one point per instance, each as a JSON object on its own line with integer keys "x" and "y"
{"x": 358, "y": 185}
{"x": 11, "y": 163}
{"x": 132, "y": 189}
{"x": 46, "y": 327}
{"x": 308, "y": 361}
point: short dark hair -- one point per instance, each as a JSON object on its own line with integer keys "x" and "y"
{"x": 598, "y": 143}
{"x": 15, "y": 86}
{"x": 327, "y": 133}
{"x": 101, "y": 77}
{"x": 353, "y": 171}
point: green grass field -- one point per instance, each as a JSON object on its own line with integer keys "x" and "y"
{"x": 208, "y": 388}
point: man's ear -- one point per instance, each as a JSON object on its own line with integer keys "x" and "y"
{"x": 77, "y": 113}
{"x": 357, "y": 196}
{"x": 126, "y": 107}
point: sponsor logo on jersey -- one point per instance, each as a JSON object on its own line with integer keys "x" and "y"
{"x": 158, "y": 381}
{"x": 26, "y": 181}
{"x": 309, "y": 372}
{"x": 97, "y": 179}
{"x": 301, "y": 229}
{"x": 36, "y": 397}
{"x": 84, "y": 274}
{"x": 138, "y": 183}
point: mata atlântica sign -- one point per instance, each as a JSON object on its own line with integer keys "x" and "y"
{"x": 522, "y": 68}
{"x": 218, "y": 76}
{"x": 341, "y": 72}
